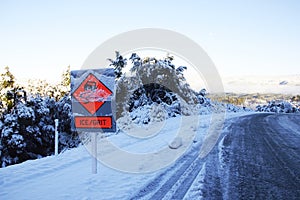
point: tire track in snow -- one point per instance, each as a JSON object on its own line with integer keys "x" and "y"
{"x": 178, "y": 189}
{"x": 159, "y": 187}
{"x": 175, "y": 182}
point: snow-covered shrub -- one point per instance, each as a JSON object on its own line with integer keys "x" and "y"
{"x": 144, "y": 114}
{"x": 12, "y": 142}
{"x": 26, "y": 115}
{"x": 154, "y": 89}
{"x": 218, "y": 107}
{"x": 27, "y": 124}
{"x": 68, "y": 137}
{"x": 155, "y": 94}
{"x": 232, "y": 108}
{"x": 28, "y": 131}
{"x": 152, "y": 82}
{"x": 278, "y": 107}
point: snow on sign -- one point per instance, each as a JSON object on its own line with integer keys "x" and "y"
{"x": 92, "y": 92}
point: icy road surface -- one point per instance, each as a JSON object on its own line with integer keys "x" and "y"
{"x": 256, "y": 157}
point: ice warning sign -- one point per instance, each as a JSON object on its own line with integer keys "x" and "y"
{"x": 93, "y": 122}
{"x": 92, "y": 93}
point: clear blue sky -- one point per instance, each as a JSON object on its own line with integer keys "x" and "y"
{"x": 41, "y": 38}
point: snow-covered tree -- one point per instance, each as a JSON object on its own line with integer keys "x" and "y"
{"x": 66, "y": 77}
{"x": 154, "y": 81}
{"x": 28, "y": 131}
{"x": 12, "y": 143}
{"x": 7, "y": 84}
{"x": 27, "y": 125}
{"x": 68, "y": 137}
{"x": 7, "y": 79}
{"x": 64, "y": 87}
{"x": 119, "y": 63}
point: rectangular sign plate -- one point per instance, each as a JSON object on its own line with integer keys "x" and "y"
{"x": 92, "y": 92}
{"x": 93, "y": 122}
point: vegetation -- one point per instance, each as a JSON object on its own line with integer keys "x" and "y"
{"x": 27, "y": 118}
{"x": 151, "y": 81}
{"x": 253, "y": 100}
{"x": 151, "y": 87}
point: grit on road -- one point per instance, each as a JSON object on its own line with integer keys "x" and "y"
{"x": 257, "y": 157}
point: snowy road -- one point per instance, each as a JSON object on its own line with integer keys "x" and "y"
{"x": 258, "y": 157}
{"x": 261, "y": 158}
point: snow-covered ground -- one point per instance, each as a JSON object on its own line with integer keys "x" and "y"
{"x": 288, "y": 84}
{"x": 68, "y": 175}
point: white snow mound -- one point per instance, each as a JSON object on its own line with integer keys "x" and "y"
{"x": 176, "y": 143}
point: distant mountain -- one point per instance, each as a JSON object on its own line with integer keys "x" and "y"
{"x": 283, "y": 83}
{"x": 287, "y": 84}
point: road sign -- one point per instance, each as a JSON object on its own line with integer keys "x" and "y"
{"x": 93, "y": 122}
{"x": 92, "y": 92}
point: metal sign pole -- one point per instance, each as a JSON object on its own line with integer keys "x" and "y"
{"x": 94, "y": 152}
{"x": 56, "y": 137}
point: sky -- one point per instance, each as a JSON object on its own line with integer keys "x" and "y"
{"x": 39, "y": 39}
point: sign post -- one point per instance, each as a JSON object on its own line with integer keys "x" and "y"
{"x": 92, "y": 92}
{"x": 56, "y": 137}
{"x": 94, "y": 153}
